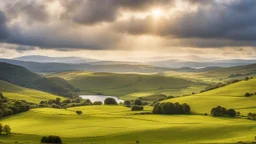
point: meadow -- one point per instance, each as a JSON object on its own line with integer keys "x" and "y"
{"x": 130, "y": 85}
{"x": 117, "y": 124}
{"x": 230, "y": 96}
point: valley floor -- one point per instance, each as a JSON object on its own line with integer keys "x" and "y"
{"x": 119, "y": 125}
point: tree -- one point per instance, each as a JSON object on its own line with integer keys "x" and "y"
{"x": 110, "y": 101}
{"x": 127, "y": 103}
{"x": 186, "y": 108}
{"x": 231, "y": 112}
{"x": 247, "y": 95}
{"x": 87, "y": 102}
{"x": 157, "y": 108}
{"x": 51, "y": 139}
{"x": 7, "y": 129}
{"x": 137, "y": 102}
{"x": 97, "y": 103}
{"x": 79, "y": 112}
{"x": 57, "y": 101}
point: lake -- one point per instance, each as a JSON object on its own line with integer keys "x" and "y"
{"x": 101, "y": 98}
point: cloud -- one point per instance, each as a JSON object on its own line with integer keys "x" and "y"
{"x": 232, "y": 21}
{"x": 31, "y": 11}
{"x": 101, "y": 24}
{"x": 3, "y": 27}
{"x": 90, "y": 12}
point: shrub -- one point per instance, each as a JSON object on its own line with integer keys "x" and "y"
{"x": 231, "y": 113}
{"x": 110, "y": 101}
{"x": 127, "y": 103}
{"x": 97, "y": 103}
{"x": 51, "y": 139}
{"x": 137, "y": 108}
{"x": 137, "y": 102}
{"x": 247, "y": 95}
{"x": 79, "y": 112}
{"x": 251, "y": 116}
{"x": 55, "y": 106}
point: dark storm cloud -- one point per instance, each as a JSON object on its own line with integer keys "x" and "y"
{"x": 234, "y": 21}
{"x": 97, "y": 11}
{"x": 3, "y": 27}
{"x": 213, "y": 24}
{"x": 32, "y": 10}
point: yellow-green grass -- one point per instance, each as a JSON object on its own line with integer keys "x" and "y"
{"x": 230, "y": 96}
{"x": 130, "y": 85}
{"x": 117, "y": 124}
{"x": 20, "y": 93}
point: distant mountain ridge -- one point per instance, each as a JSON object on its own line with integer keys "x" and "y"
{"x": 46, "y": 59}
{"x": 92, "y": 67}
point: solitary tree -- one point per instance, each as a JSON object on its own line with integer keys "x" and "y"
{"x": 79, "y": 112}
{"x": 110, "y": 101}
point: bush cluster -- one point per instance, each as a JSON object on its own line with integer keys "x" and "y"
{"x": 5, "y": 129}
{"x": 9, "y": 107}
{"x": 222, "y": 111}
{"x": 97, "y": 103}
{"x": 171, "y": 108}
{"x": 251, "y": 116}
{"x": 51, "y": 139}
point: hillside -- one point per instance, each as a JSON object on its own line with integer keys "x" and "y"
{"x": 230, "y": 96}
{"x": 118, "y": 125}
{"x": 20, "y": 93}
{"x": 25, "y": 78}
{"x": 129, "y": 85}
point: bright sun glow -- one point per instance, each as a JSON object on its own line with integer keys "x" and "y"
{"x": 157, "y": 13}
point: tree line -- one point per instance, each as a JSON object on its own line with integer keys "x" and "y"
{"x": 9, "y": 107}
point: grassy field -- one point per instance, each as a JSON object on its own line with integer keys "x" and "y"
{"x": 130, "y": 86}
{"x": 117, "y": 124}
{"x": 20, "y": 93}
{"x": 231, "y": 96}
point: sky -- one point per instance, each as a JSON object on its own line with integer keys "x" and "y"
{"x": 128, "y": 29}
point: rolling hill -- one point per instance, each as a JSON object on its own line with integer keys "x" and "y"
{"x": 230, "y": 96}
{"x": 119, "y": 125}
{"x": 25, "y": 78}
{"x": 130, "y": 86}
{"x": 20, "y": 93}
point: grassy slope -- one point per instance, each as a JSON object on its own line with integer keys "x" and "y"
{"x": 217, "y": 75}
{"x": 129, "y": 85}
{"x": 20, "y": 93}
{"x": 231, "y": 96}
{"x": 117, "y": 124}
